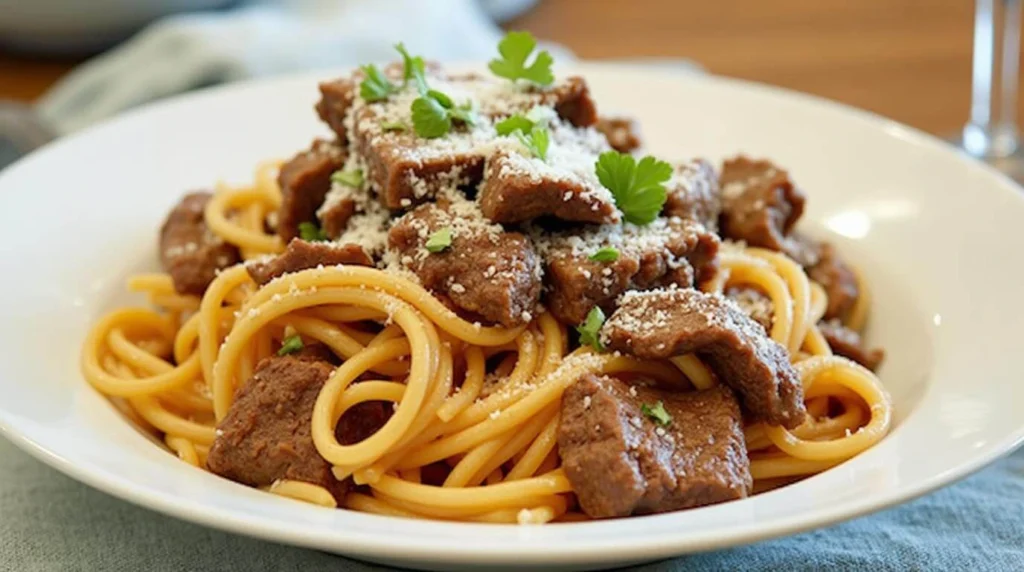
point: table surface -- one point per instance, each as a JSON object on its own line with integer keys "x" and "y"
{"x": 905, "y": 59}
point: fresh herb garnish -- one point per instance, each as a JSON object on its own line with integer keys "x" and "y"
{"x": 514, "y": 49}
{"x": 413, "y": 68}
{"x": 532, "y": 135}
{"x": 439, "y": 240}
{"x": 310, "y": 232}
{"x": 375, "y": 86}
{"x": 657, "y": 413}
{"x": 429, "y": 118}
{"x": 433, "y": 111}
{"x": 394, "y": 126}
{"x": 512, "y": 124}
{"x": 433, "y": 114}
{"x": 536, "y": 141}
{"x": 463, "y": 113}
{"x": 590, "y": 329}
{"x": 353, "y": 178}
{"x": 442, "y": 98}
{"x": 605, "y": 254}
{"x": 290, "y": 345}
{"x": 638, "y": 188}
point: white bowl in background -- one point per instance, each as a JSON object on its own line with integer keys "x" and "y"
{"x": 74, "y": 26}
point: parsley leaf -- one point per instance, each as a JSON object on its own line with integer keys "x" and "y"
{"x": 375, "y": 86}
{"x": 429, "y": 118}
{"x": 590, "y": 329}
{"x": 536, "y": 141}
{"x": 463, "y": 113}
{"x": 310, "y": 232}
{"x": 394, "y": 126}
{"x": 513, "y": 123}
{"x": 353, "y": 178}
{"x": 439, "y": 240}
{"x": 657, "y": 413}
{"x": 605, "y": 254}
{"x": 442, "y": 98}
{"x": 413, "y": 68}
{"x": 433, "y": 113}
{"x": 514, "y": 49}
{"x": 532, "y": 135}
{"x": 290, "y": 345}
{"x": 638, "y": 188}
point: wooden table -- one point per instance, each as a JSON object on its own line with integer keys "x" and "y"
{"x": 906, "y": 59}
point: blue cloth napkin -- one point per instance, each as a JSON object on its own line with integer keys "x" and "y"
{"x": 50, "y": 522}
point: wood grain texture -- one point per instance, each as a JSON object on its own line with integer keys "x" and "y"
{"x": 905, "y": 59}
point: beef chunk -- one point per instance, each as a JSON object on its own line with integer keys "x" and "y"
{"x": 189, "y": 252}
{"x": 485, "y": 271}
{"x": 304, "y": 182}
{"x": 838, "y": 280}
{"x": 406, "y": 170}
{"x": 848, "y": 343}
{"x": 575, "y": 284}
{"x": 665, "y": 323}
{"x": 693, "y": 193}
{"x": 620, "y": 462}
{"x": 571, "y": 100}
{"x": 303, "y": 255}
{"x": 802, "y": 249}
{"x": 334, "y": 217}
{"x": 823, "y": 265}
{"x": 518, "y": 188}
{"x": 362, "y": 421}
{"x": 569, "y": 97}
{"x": 667, "y": 251}
{"x": 336, "y": 98}
{"x": 760, "y": 204}
{"x": 266, "y": 434}
{"x": 754, "y": 303}
{"x": 623, "y": 133}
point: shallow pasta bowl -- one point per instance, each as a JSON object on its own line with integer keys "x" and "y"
{"x": 936, "y": 235}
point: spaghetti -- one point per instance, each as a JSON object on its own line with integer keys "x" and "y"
{"x": 156, "y": 361}
{"x": 481, "y": 404}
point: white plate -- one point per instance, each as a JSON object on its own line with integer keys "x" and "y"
{"x": 938, "y": 236}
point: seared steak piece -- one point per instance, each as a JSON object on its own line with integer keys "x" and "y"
{"x": 667, "y": 251}
{"x": 623, "y": 133}
{"x": 621, "y": 461}
{"x": 189, "y": 252}
{"x": 406, "y": 170}
{"x": 848, "y": 343}
{"x": 303, "y": 255}
{"x": 663, "y": 323}
{"x": 304, "y": 181}
{"x": 825, "y": 266}
{"x": 266, "y": 435}
{"x": 336, "y": 99}
{"x": 754, "y": 303}
{"x": 838, "y": 280}
{"x": 484, "y": 270}
{"x": 571, "y": 100}
{"x": 518, "y": 189}
{"x": 694, "y": 193}
{"x": 334, "y": 217}
{"x": 760, "y": 204}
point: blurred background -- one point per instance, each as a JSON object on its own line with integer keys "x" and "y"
{"x": 906, "y": 59}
